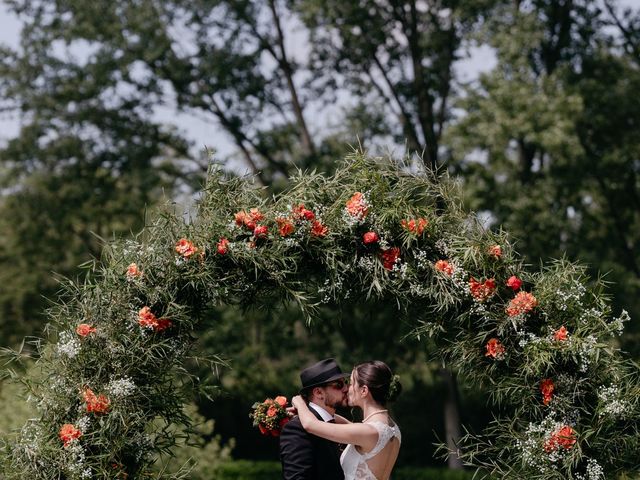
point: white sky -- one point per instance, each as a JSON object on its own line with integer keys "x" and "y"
{"x": 207, "y": 134}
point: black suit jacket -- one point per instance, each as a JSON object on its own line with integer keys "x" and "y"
{"x": 307, "y": 457}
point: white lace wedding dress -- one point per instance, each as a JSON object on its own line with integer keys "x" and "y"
{"x": 354, "y": 464}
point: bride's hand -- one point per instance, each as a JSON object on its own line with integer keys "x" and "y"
{"x": 298, "y": 402}
{"x": 292, "y": 411}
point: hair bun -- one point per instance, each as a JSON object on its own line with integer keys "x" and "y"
{"x": 395, "y": 388}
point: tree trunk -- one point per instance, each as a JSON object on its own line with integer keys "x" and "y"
{"x": 452, "y": 427}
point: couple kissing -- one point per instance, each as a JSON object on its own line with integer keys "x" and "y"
{"x": 310, "y": 442}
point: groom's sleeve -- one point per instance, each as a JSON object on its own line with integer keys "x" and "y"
{"x": 296, "y": 452}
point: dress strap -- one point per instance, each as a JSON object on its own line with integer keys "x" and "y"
{"x": 385, "y": 433}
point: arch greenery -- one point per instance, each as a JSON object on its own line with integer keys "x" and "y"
{"x": 112, "y": 382}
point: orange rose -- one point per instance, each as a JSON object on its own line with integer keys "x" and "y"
{"x": 318, "y": 229}
{"x": 84, "y": 329}
{"x": 282, "y": 401}
{"x": 285, "y": 227}
{"x": 522, "y": 303}
{"x": 272, "y": 411}
{"x": 444, "y": 266}
{"x": 561, "y": 334}
{"x": 356, "y": 206}
{"x": 223, "y": 246}
{"x": 495, "y": 349}
{"x": 68, "y": 433}
{"x": 185, "y": 248}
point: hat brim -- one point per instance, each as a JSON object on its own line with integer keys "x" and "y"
{"x": 328, "y": 380}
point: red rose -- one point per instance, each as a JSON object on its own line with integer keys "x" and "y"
{"x": 546, "y": 388}
{"x": 263, "y": 430}
{"x": 370, "y": 237}
{"x": 390, "y": 257}
{"x": 223, "y": 246}
{"x": 514, "y": 283}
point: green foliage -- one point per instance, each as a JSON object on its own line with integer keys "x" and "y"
{"x": 185, "y": 270}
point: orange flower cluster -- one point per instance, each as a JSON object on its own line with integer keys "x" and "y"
{"x": 299, "y": 212}
{"x": 95, "y": 403}
{"x": 495, "y": 349}
{"x": 546, "y": 388}
{"x": 357, "y": 206}
{"x": 248, "y": 220}
{"x": 133, "y": 272}
{"x": 522, "y": 303}
{"x": 565, "y": 437}
{"x": 482, "y": 290}
{"x": 415, "y": 226}
{"x": 390, "y": 257}
{"x": 270, "y": 416}
{"x": 444, "y": 267}
{"x": 147, "y": 319}
{"x": 495, "y": 251}
{"x": 261, "y": 231}
{"x": 85, "y": 329}
{"x": 318, "y": 229}
{"x": 561, "y": 334}
{"x": 68, "y": 433}
{"x": 185, "y": 248}
{"x": 285, "y": 226}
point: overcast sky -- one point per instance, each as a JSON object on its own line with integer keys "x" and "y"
{"x": 208, "y": 134}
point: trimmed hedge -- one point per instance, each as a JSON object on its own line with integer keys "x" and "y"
{"x": 247, "y": 470}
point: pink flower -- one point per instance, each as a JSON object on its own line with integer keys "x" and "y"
{"x": 370, "y": 237}
{"x": 514, "y": 283}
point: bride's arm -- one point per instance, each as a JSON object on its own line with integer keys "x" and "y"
{"x": 359, "y": 434}
{"x": 341, "y": 420}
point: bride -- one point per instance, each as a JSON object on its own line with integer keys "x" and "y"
{"x": 373, "y": 445}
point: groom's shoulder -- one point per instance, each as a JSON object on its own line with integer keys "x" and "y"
{"x": 293, "y": 425}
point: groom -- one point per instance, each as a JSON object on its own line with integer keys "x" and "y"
{"x": 305, "y": 456}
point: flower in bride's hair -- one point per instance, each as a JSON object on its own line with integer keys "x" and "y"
{"x": 370, "y": 237}
{"x": 85, "y": 329}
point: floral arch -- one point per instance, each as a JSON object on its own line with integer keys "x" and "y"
{"x": 544, "y": 341}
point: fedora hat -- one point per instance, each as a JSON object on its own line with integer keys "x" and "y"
{"x": 324, "y": 371}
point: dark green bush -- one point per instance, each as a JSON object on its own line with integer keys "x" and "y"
{"x": 247, "y": 470}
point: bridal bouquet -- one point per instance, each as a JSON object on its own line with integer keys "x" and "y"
{"x": 270, "y": 416}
